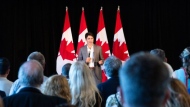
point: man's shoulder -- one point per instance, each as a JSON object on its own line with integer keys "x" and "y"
{"x": 33, "y": 93}
{"x": 102, "y": 85}
{"x": 6, "y": 81}
{"x": 97, "y": 46}
{"x": 83, "y": 47}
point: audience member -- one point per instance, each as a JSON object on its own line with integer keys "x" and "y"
{"x": 111, "y": 68}
{"x": 179, "y": 96}
{"x": 114, "y": 100}
{"x": 33, "y": 56}
{"x": 5, "y": 84}
{"x": 144, "y": 81}
{"x": 183, "y": 74}
{"x": 57, "y": 85}
{"x": 83, "y": 88}
{"x": 161, "y": 54}
{"x": 65, "y": 70}
{"x": 31, "y": 77}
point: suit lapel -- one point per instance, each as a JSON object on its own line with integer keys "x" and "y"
{"x": 86, "y": 51}
{"x": 95, "y": 52}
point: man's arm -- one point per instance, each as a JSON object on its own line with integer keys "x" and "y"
{"x": 101, "y": 61}
{"x": 80, "y": 55}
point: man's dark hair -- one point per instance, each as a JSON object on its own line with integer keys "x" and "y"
{"x": 159, "y": 53}
{"x": 112, "y": 66}
{"x": 65, "y": 70}
{"x": 4, "y": 65}
{"x": 144, "y": 79}
{"x": 89, "y": 34}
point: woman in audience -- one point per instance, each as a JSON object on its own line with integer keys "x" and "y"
{"x": 83, "y": 87}
{"x": 179, "y": 96}
{"x": 57, "y": 85}
{"x": 114, "y": 100}
{"x": 183, "y": 74}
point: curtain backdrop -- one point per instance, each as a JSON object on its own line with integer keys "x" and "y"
{"x": 36, "y": 25}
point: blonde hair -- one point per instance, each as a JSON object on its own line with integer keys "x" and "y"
{"x": 57, "y": 85}
{"x": 179, "y": 96}
{"x": 82, "y": 85}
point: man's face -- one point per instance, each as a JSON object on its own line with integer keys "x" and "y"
{"x": 90, "y": 40}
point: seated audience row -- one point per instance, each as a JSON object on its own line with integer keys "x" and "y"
{"x": 144, "y": 81}
{"x": 33, "y": 56}
{"x": 30, "y": 78}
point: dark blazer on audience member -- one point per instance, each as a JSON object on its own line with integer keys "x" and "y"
{"x": 2, "y": 94}
{"x": 32, "y": 97}
{"x": 107, "y": 88}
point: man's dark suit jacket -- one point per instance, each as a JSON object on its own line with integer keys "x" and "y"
{"x": 32, "y": 97}
{"x": 107, "y": 88}
{"x": 2, "y": 94}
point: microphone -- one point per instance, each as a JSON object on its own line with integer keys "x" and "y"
{"x": 89, "y": 52}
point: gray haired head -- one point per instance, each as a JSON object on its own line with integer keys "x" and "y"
{"x": 38, "y": 56}
{"x": 112, "y": 66}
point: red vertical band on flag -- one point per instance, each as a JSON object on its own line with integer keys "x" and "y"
{"x": 101, "y": 40}
{"x": 66, "y": 51}
{"x": 119, "y": 44}
{"x": 82, "y": 31}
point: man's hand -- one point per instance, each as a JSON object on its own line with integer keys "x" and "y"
{"x": 88, "y": 59}
{"x": 100, "y": 62}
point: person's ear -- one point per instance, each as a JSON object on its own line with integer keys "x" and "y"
{"x": 166, "y": 60}
{"x": 7, "y": 72}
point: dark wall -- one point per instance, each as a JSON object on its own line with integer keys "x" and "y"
{"x": 36, "y": 25}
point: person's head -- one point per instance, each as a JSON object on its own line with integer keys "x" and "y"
{"x": 57, "y": 85}
{"x": 112, "y": 66}
{"x": 144, "y": 81}
{"x": 159, "y": 53}
{"x": 82, "y": 85}
{"x": 65, "y": 70}
{"x": 31, "y": 74}
{"x": 38, "y": 56}
{"x": 179, "y": 96}
{"x": 89, "y": 38}
{"x": 185, "y": 57}
{"x": 4, "y": 66}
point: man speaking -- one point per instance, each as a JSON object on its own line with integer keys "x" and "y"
{"x": 92, "y": 55}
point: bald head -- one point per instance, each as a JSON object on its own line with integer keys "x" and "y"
{"x": 31, "y": 73}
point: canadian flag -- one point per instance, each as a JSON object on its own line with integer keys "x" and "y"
{"x": 101, "y": 40}
{"x": 82, "y": 31}
{"x": 119, "y": 44}
{"x": 66, "y": 51}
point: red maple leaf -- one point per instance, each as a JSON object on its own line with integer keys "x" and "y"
{"x": 65, "y": 50}
{"x": 105, "y": 48}
{"x": 118, "y": 51}
{"x": 80, "y": 44}
{"x": 98, "y": 42}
